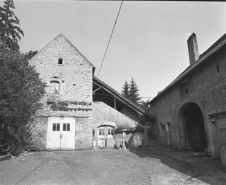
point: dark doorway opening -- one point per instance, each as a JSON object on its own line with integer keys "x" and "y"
{"x": 195, "y": 135}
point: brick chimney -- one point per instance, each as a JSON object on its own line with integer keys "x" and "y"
{"x": 193, "y": 49}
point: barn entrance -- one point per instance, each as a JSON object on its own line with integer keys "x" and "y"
{"x": 195, "y": 136}
{"x": 60, "y": 133}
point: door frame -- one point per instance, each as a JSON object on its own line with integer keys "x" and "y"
{"x": 60, "y": 119}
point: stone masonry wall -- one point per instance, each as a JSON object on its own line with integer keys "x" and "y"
{"x": 39, "y": 131}
{"x": 207, "y": 89}
{"x": 75, "y": 77}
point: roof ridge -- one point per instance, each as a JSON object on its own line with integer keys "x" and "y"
{"x": 76, "y": 49}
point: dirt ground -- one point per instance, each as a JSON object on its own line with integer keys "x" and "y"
{"x": 97, "y": 167}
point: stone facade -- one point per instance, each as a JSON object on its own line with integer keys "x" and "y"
{"x": 62, "y": 66}
{"x": 203, "y": 86}
{"x": 69, "y": 119}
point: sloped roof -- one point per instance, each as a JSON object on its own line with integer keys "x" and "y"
{"x": 121, "y": 98}
{"x": 219, "y": 44}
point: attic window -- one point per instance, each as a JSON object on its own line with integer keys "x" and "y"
{"x": 217, "y": 68}
{"x": 186, "y": 90}
{"x": 60, "y": 61}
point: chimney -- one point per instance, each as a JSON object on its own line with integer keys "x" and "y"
{"x": 193, "y": 49}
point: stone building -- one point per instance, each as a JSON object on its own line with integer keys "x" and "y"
{"x": 69, "y": 118}
{"x": 191, "y": 111}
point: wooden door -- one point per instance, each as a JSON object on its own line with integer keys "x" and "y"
{"x": 53, "y": 134}
{"x": 60, "y": 133}
{"x": 68, "y": 134}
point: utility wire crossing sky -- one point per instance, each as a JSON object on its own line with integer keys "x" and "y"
{"x": 109, "y": 39}
{"x": 149, "y": 44}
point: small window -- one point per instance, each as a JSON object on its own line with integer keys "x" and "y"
{"x": 66, "y": 127}
{"x": 60, "y": 61}
{"x": 186, "y": 90}
{"x": 56, "y": 126}
{"x": 101, "y": 131}
{"x": 110, "y": 131}
{"x": 54, "y": 87}
{"x": 217, "y": 68}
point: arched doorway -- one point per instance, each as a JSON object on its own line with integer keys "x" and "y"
{"x": 194, "y": 130}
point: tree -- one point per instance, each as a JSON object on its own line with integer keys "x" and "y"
{"x": 30, "y": 54}
{"x": 125, "y": 90}
{"x": 144, "y": 105}
{"x": 20, "y": 92}
{"x": 130, "y": 91}
{"x": 10, "y": 32}
{"x": 133, "y": 92}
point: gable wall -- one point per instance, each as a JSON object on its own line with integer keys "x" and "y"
{"x": 75, "y": 97}
{"x": 75, "y": 75}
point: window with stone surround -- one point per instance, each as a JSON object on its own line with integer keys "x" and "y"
{"x": 54, "y": 87}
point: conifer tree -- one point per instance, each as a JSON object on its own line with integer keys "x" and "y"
{"x": 133, "y": 92}
{"x": 125, "y": 90}
{"x": 10, "y": 32}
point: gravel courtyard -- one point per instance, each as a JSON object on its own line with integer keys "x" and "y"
{"x": 99, "y": 167}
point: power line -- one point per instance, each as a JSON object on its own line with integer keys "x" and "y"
{"x": 109, "y": 39}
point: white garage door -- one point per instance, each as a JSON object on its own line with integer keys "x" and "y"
{"x": 60, "y": 133}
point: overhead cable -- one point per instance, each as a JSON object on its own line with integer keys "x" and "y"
{"x": 110, "y": 39}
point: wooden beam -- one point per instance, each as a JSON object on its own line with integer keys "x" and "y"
{"x": 97, "y": 89}
{"x": 139, "y": 112}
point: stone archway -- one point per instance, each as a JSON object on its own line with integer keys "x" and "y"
{"x": 191, "y": 127}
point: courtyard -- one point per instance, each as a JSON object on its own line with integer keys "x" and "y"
{"x": 89, "y": 167}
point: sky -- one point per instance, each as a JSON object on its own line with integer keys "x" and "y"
{"x": 149, "y": 42}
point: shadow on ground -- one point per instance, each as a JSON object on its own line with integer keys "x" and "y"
{"x": 203, "y": 168}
